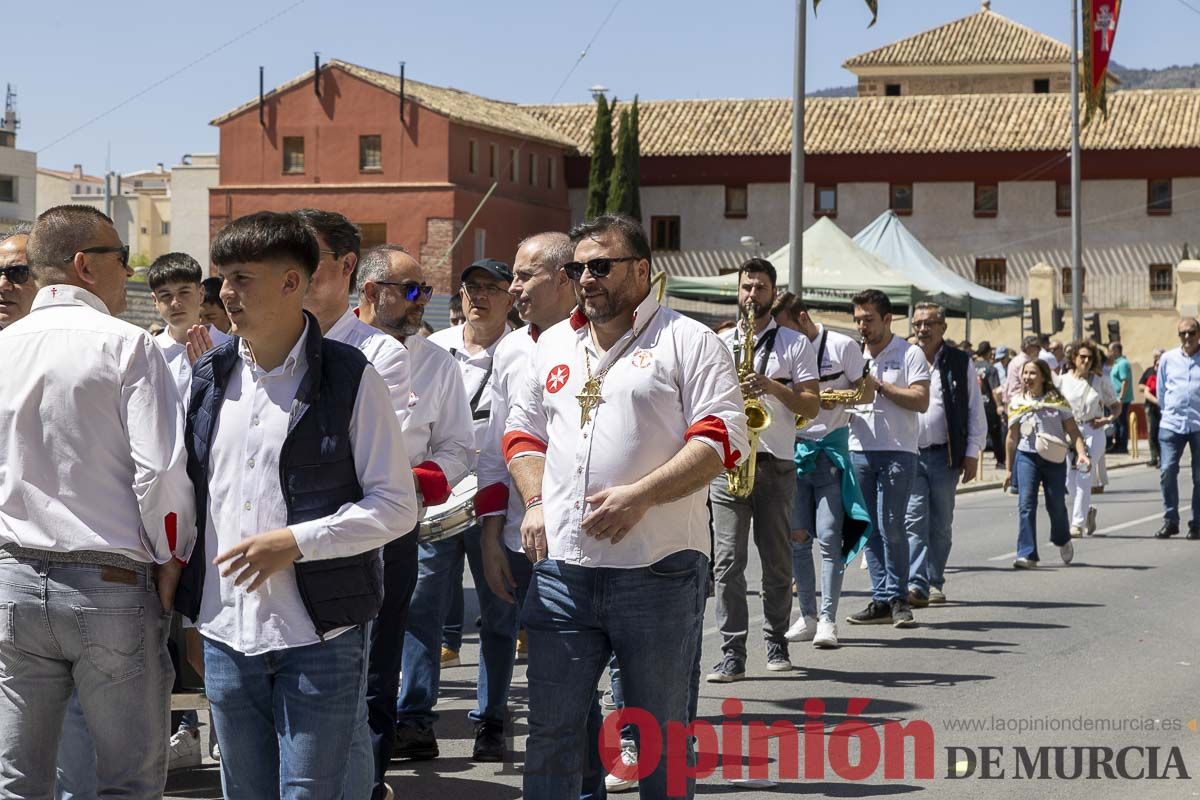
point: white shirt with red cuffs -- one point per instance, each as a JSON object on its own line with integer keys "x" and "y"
{"x": 674, "y": 383}
{"x": 438, "y": 430}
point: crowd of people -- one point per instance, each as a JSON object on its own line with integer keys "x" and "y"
{"x": 302, "y": 481}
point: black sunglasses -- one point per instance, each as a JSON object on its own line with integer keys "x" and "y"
{"x": 123, "y": 251}
{"x": 599, "y": 267}
{"x": 16, "y": 274}
{"x": 412, "y": 289}
{"x": 1189, "y": 332}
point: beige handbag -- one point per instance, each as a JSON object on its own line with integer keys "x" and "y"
{"x": 1051, "y": 448}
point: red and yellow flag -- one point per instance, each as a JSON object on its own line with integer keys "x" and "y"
{"x": 1099, "y": 33}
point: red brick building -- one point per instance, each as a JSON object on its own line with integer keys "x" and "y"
{"x": 411, "y": 175}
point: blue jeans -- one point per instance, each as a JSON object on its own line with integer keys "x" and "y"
{"x": 1170, "y": 446}
{"x": 98, "y": 631}
{"x": 929, "y": 519}
{"x": 576, "y": 618}
{"x": 819, "y": 510}
{"x": 1035, "y": 470}
{"x": 285, "y": 719}
{"x": 886, "y": 478}
{"x": 76, "y": 757}
{"x": 452, "y": 631}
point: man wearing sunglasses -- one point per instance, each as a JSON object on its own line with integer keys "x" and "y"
{"x": 16, "y": 282}
{"x": 1179, "y": 404}
{"x": 439, "y": 436}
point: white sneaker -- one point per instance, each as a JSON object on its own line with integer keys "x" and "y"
{"x": 214, "y": 749}
{"x": 826, "y": 634}
{"x": 802, "y": 630}
{"x": 629, "y": 757}
{"x": 183, "y": 750}
{"x": 1066, "y": 552}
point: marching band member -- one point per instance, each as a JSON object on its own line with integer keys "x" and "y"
{"x": 630, "y": 410}
{"x": 784, "y": 380}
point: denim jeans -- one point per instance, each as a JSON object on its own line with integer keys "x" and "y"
{"x": 285, "y": 719}
{"x": 886, "y": 477}
{"x": 1035, "y": 470}
{"x": 818, "y": 509}
{"x": 101, "y": 632}
{"x": 576, "y": 618}
{"x": 76, "y": 757}
{"x": 1170, "y": 447}
{"x": 1153, "y": 417}
{"x": 929, "y": 519}
{"x": 1121, "y": 429}
{"x": 452, "y": 631}
{"x": 1079, "y": 483}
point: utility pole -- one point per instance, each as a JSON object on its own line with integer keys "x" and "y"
{"x": 1076, "y": 200}
{"x": 796, "y": 223}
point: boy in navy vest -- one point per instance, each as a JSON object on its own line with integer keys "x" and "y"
{"x": 301, "y": 477}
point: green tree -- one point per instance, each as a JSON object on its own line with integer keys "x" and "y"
{"x": 623, "y": 195}
{"x": 635, "y": 162}
{"x": 602, "y": 158}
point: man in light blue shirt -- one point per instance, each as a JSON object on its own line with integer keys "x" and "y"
{"x": 1179, "y": 401}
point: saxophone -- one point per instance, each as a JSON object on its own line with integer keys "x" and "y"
{"x": 758, "y": 418}
{"x": 849, "y": 397}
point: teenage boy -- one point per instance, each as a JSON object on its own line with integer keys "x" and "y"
{"x": 301, "y": 477}
{"x": 175, "y": 283}
{"x": 212, "y": 310}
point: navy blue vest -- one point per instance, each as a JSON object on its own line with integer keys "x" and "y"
{"x": 957, "y": 377}
{"x": 317, "y": 473}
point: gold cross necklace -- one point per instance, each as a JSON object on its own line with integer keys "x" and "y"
{"x": 590, "y": 397}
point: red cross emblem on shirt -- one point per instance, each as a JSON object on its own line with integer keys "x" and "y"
{"x": 53, "y": 292}
{"x": 558, "y": 378}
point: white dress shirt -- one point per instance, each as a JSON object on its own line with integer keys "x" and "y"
{"x": 387, "y": 355}
{"x": 792, "y": 360}
{"x": 840, "y": 366}
{"x": 92, "y": 453}
{"x": 477, "y": 371}
{"x": 884, "y": 425}
{"x": 439, "y": 427}
{"x": 246, "y": 499}
{"x": 177, "y": 359}
{"x": 674, "y": 382}
{"x": 932, "y": 422}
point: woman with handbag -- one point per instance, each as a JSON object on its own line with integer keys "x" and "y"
{"x": 1039, "y": 422}
{"x": 1094, "y": 404}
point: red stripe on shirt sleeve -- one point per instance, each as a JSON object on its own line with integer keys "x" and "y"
{"x": 171, "y": 523}
{"x": 491, "y": 499}
{"x": 713, "y": 429}
{"x": 518, "y": 442}
{"x": 435, "y": 490}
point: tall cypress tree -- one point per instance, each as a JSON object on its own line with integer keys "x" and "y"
{"x": 602, "y": 159}
{"x": 635, "y": 163}
{"x": 620, "y": 187}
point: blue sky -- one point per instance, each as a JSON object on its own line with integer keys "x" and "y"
{"x": 71, "y": 61}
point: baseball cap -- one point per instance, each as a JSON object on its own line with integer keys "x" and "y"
{"x": 497, "y": 269}
{"x": 1002, "y": 351}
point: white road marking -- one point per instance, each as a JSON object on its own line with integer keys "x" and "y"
{"x": 1133, "y": 523}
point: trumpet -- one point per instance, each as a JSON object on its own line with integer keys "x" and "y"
{"x": 847, "y": 397}
{"x": 758, "y": 418}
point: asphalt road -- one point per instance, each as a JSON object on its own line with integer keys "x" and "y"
{"x": 1104, "y": 653}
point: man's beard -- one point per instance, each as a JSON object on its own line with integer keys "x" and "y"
{"x": 408, "y": 324}
{"x": 606, "y": 306}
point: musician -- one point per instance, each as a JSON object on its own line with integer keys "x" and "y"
{"x": 16, "y": 285}
{"x": 883, "y": 449}
{"x": 440, "y": 440}
{"x": 784, "y": 380}
{"x": 829, "y": 505}
{"x": 630, "y": 410}
{"x": 952, "y": 433}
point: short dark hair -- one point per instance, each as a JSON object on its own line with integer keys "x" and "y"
{"x": 630, "y": 229}
{"x": 264, "y": 236}
{"x": 342, "y": 235}
{"x": 455, "y": 302}
{"x": 173, "y": 268}
{"x": 788, "y": 303}
{"x": 759, "y": 265}
{"x": 873, "y": 297}
{"x": 212, "y": 289}
{"x": 983, "y": 348}
{"x": 58, "y": 234}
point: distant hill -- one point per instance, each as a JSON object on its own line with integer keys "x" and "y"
{"x": 835, "y": 91}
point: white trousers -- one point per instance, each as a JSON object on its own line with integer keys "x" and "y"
{"x": 1079, "y": 484}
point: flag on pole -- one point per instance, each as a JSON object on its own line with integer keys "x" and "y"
{"x": 871, "y": 4}
{"x": 1099, "y": 32}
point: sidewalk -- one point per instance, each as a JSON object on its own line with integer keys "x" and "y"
{"x": 992, "y": 477}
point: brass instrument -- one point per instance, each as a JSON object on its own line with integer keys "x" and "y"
{"x": 848, "y": 397}
{"x": 658, "y": 284}
{"x": 758, "y": 418}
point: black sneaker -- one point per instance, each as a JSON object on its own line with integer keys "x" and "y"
{"x": 901, "y": 614}
{"x": 777, "y": 657}
{"x": 1193, "y": 532}
{"x": 876, "y": 613}
{"x": 489, "y": 742}
{"x": 415, "y": 743}
{"x": 1167, "y": 530}
{"x": 729, "y": 670}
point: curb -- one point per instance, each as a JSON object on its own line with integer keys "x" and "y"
{"x": 984, "y": 487}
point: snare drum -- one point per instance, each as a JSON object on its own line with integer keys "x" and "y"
{"x": 452, "y": 517}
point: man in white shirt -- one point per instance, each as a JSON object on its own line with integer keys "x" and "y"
{"x": 883, "y": 449}
{"x": 95, "y": 508}
{"x": 174, "y": 280}
{"x": 784, "y": 381}
{"x": 301, "y": 477}
{"x": 441, "y": 446}
{"x": 952, "y": 432}
{"x": 630, "y": 410}
{"x": 16, "y": 281}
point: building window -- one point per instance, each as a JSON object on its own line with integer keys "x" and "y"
{"x": 991, "y": 273}
{"x": 1062, "y": 198}
{"x": 1158, "y": 200}
{"x": 736, "y": 201}
{"x": 473, "y": 157}
{"x": 533, "y": 161}
{"x": 166, "y": 229}
{"x": 514, "y": 165}
{"x": 1041, "y": 86}
{"x": 987, "y": 199}
{"x": 370, "y": 153}
{"x": 493, "y": 161}
{"x": 373, "y": 234}
{"x": 826, "y": 201}
{"x": 293, "y": 154}
{"x": 664, "y": 233}
{"x": 1162, "y": 279}
{"x": 551, "y": 172}
{"x": 8, "y": 189}
{"x": 900, "y": 198}
{"x": 891, "y": 90}
{"x": 145, "y": 231}
{"x": 1066, "y": 281}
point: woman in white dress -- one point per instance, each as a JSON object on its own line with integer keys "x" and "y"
{"x": 1093, "y": 404}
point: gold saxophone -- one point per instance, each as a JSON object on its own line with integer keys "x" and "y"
{"x": 758, "y": 418}
{"x": 849, "y": 397}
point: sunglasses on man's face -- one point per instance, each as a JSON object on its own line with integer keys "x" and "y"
{"x": 411, "y": 290}
{"x": 1189, "y": 332}
{"x": 122, "y": 251}
{"x": 599, "y": 267}
{"x": 16, "y": 274}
